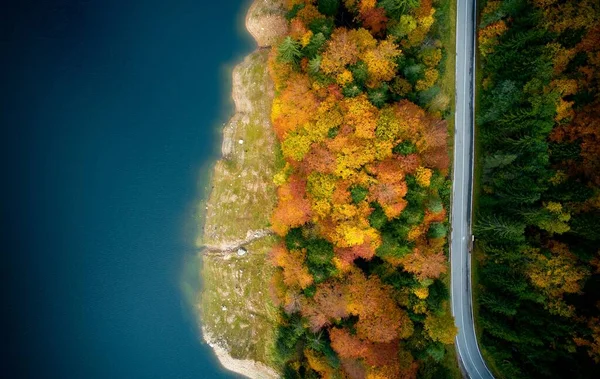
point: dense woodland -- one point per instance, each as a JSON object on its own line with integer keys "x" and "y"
{"x": 363, "y": 197}
{"x": 538, "y": 223}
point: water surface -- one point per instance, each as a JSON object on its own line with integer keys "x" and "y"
{"x": 109, "y": 110}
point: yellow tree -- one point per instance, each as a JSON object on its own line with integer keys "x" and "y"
{"x": 341, "y": 50}
{"x": 441, "y": 328}
{"x": 318, "y": 362}
{"x": 381, "y": 62}
{"x": 556, "y": 275}
{"x": 361, "y": 115}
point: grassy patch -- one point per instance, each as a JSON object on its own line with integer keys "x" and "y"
{"x": 451, "y": 358}
{"x": 235, "y": 305}
{"x": 451, "y": 362}
{"x": 447, "y": 80}
{"x": 242, "y": 196}
{"x": 489, "y": 360}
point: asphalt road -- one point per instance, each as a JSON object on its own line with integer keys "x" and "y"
{"x": 462, "y": 308}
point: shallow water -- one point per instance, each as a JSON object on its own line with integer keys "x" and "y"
{"x": 110, "y": 109}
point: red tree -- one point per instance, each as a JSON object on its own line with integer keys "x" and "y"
{"x": 374, "y": 19}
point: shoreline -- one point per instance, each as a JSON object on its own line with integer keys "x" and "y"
{"x": 264, "y": 21}
{"x": 255, "y": 22}
{"x": 245, "y": 367}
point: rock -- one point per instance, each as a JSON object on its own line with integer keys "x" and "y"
{"x": 266, "y": 21}
{"x": 242, "y": 251}
{"x": 245, "y": 367}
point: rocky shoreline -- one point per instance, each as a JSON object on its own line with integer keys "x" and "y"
{"x": 246, "y": 367}
{"x": 237, "y": 211}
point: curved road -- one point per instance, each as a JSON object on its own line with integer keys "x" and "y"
{"x": 462, "y": 308}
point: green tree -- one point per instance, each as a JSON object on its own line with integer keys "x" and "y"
{"x": 329, "y": 7}
{"x": 319, "y": 251}
{"x": 314, "y": 65}
{"x": 491, "y": 227}
{"x": 405, "y": 148}
{"x": 358, "y": 194}
{"x": 379, "y": 96}
{"x": 314, "y": 45}
{"x": 395, "y": 8}
{"x": 377, "y": 218}
{"x": 351, "y": 90}
{"x": 360, "y": 73}
{"x": 437, "y": 230}
{"x": 289, "y": 50}
{"x": 441, "y": 328}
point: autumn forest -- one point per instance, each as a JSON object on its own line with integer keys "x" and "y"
{"x": 363, "y": 196}
{"x": 539, "y": 191}
{"x": 364, "y": 124}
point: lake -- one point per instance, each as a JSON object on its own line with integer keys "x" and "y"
{"x": 111, "y": 114}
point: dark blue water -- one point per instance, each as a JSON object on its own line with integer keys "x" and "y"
{"x": 109, "y": 110}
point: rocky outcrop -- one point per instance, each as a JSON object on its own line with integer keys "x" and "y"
{"x": 266, "y": 21}
{"x": 246, "y": 367}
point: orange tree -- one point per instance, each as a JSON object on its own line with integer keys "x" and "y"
{"x": 362, "y": 199}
